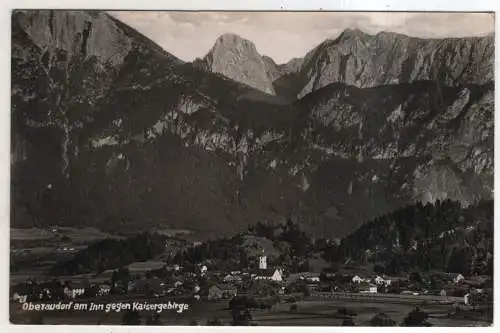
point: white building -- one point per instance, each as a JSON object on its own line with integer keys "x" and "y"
{"x": 357, "y": 279}
{"x": 21, "y": 298}
{"x": 368, "y": 289}
{"x": 263, "y": 262}
{"x": 467, "y": 299}
{"x": 74, "y": 291}
{"x": 312, "y": 279}
{"x": 104, "y": 290}
{"x": 457, "y": 278}
{"x": 382, "y": 281}
{"x": 202, "y": 270}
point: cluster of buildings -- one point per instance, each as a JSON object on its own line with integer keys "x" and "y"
{"x": 236, "y": 282}
{"x": 56, "y": 290}
{"x": 201, "y": 282}
{"x": 167, "y": 281}
{"x": 438, "y": 284}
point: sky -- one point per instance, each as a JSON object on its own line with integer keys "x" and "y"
{"x": 286, "y": 35}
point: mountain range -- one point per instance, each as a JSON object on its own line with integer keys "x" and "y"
{"x": 110, "y": 130}
{"x": 357, "y": 59}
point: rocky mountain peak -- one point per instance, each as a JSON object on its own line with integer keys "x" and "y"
{"x": 75, "y": 32}
{"x": 234, "y": 40}
{"x": 358, "y": 59}
{"x": 238, "y": 59}
{"x": 352, "y": 33}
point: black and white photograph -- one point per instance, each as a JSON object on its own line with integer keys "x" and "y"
{"x": 251, "y": 168}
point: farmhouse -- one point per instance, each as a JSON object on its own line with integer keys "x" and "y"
{"x": 104, "y": 290}
{"x": 19, "y": 297}
{"x": 20, "y": 292}
{"x": 202, "y": 269}
{"x": 75, "y": 290}
{"x": 269, "y": 274}
{"x": 379, "y": 280}
{"x": 367, "y": 288}
{"x": 232, "y": 278}
{"x": 467, "y": 298}
{"x": 457, "y": 278}
{"x": 357, "y": 279}
{"x": 221, "y": 291}
{"x": 312, "y": 280}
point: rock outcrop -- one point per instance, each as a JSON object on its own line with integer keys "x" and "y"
{"x": 273, "y": 70}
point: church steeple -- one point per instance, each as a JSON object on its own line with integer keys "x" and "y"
{"x": 262, "y": 261}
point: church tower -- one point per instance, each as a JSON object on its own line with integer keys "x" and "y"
{"x": 263, "y": 261}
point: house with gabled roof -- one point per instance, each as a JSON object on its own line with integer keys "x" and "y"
{"x": 357, "y": 279}
{"x": 222, "y": 291}
{"x": 367, "y": 288}
{"x": 272, "y": 274}
{"x": 457, "y": 277}
{"x": 229, "y": 278}
{"x": 75, "y": 289}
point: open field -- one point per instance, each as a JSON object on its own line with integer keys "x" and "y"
{"x": 77, "y": 234}
{"x": 35, "y": 250}
{"x": 386, "y": 298}
{"x": 171, "y": 232}
{"x": 310, "y": 312}
{"x": 144, "y": 266}
{"x": 24, "y": 242}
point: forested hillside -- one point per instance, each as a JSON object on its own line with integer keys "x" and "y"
{"x": 112, "y": 253}
{"x": 441, "y": 236}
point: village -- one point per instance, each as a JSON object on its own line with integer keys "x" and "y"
{"x": 203, "y": 284}
{"x": 270, "y": 277}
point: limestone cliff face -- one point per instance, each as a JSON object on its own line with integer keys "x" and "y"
{"x": 77, "y": 32}
{"x": 82, "y": 33}
{"x": 358, "y": 59}
{"x": 421, "y": 127}
{"x": 292, "y": 66}
{"x": 273, "y": 70}
{"x": 238, "y": 59}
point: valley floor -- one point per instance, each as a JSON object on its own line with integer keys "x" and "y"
{"x": 313, "y": 311}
